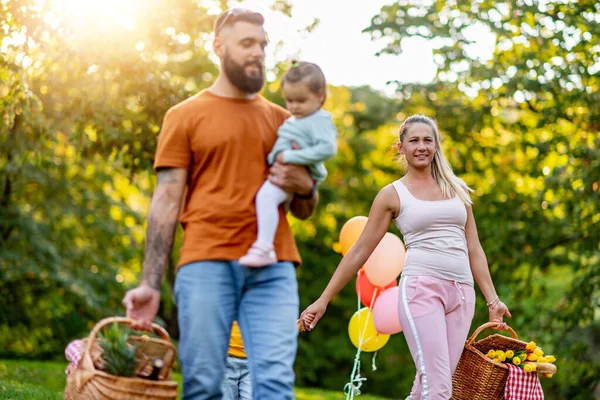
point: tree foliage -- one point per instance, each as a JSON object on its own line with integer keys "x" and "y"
{"x": 83, "y": 99}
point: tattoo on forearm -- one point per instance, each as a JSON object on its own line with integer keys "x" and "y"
{"x": 159, "y": 243}
{"x": 159, "y": 235}
{"x": 167, "y": 177}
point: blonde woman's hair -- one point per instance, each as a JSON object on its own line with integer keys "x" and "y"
{"x": 441, "y": 170}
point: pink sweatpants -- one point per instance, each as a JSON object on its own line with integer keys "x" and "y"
{"x": 435, "y": 315}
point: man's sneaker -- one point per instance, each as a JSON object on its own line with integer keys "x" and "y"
{"x": 259, "y": 255}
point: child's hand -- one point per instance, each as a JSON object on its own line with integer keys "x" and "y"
{"x": 279, "y": 157}
{"x": 304, "y": 322}
{"x": 313, "y": 313}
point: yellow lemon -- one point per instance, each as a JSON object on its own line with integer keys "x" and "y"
{"x": 530, "y": 346}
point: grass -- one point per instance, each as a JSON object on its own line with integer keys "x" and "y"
{"x": 37, "y": 380}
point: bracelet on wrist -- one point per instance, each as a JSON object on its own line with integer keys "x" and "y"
{"x": 493, "y": 301}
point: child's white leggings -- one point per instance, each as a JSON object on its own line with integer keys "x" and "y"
{"x": 268, "y": 199}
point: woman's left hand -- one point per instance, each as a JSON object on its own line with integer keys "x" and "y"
{"x": 497, "y": 313}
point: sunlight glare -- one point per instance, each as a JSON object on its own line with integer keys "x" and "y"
{"x": 94, "y": 14}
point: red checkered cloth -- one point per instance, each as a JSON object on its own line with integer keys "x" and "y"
{"x": 73, "y": 353}
{"x": 521, "y": 385}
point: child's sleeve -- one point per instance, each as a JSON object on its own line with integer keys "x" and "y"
{"x": 325, "y": 143}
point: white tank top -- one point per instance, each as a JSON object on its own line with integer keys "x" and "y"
{"x": 434, "y": 235}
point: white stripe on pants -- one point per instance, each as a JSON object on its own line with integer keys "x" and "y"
{"x": 436, "y": 316}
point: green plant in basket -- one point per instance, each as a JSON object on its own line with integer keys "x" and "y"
{"x": 118, "y": 355}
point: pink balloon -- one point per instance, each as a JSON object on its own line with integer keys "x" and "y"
{"x": 385, "y": 312}
{"x": 387, "y": 260}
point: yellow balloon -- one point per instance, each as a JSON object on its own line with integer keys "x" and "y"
{"x": 362, "y": 322}
{"x": 351, "y": 231}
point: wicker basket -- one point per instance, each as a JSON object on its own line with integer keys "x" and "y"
{"x": 476, "y": 376}
{"x": 87, "y": 382}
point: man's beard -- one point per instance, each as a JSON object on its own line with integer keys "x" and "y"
{"x": 238, "y": 77}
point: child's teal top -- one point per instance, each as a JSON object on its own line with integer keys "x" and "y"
{"x": 315, "y": 134}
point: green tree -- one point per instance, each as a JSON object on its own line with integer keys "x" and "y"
{"x": 522, "y": 127}
{"x": 82, "y": 102}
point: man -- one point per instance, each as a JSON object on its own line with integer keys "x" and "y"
{"x": 215, "y": 143}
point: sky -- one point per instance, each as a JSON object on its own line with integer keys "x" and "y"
{"x": 338, "y": 46}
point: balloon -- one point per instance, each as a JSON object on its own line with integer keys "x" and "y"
{"x": 386, "y": 261}
{"x": 385, "y": 312}
{"x": 365, "y": 289}
{"x": 351, "y": 231}
{"x": 359, "y": 323}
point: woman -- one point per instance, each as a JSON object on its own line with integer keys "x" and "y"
{"x": 432, "y": 208}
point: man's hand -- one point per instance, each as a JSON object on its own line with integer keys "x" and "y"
{"x": 294, "y": 179}
{"x": 142, "y": 306}
{"x": 279, "y": 158}
{"x": 291, "y": 178}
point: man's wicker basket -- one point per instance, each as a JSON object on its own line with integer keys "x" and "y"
{"x": 479, "y": 378}
{"x": 88, "y": 382}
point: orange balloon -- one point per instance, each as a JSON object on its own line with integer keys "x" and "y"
{"x": 386, "y": 261}
{"x": 351, "y": 232}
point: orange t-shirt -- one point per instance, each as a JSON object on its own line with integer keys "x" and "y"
{"x": 223, "y": 143}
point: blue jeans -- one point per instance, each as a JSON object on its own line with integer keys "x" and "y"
{"x": 210, "y": 295}
{"x": 237, "y": 384}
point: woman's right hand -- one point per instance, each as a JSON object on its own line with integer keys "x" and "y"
{"x": 313, "y": 314}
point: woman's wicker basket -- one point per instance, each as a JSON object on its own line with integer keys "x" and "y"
{"x": 87, "y": 382}
{"x": 476, "y": 376}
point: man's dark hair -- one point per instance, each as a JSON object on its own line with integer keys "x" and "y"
{"x": 309, "y": 73}
{"x": 233, "y": 15}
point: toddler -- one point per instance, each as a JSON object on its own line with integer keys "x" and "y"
{"x": 312, "y": 129}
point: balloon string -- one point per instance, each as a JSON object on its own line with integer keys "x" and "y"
{"x": 352, "y": 388}
{"x": 364, "y": 331}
